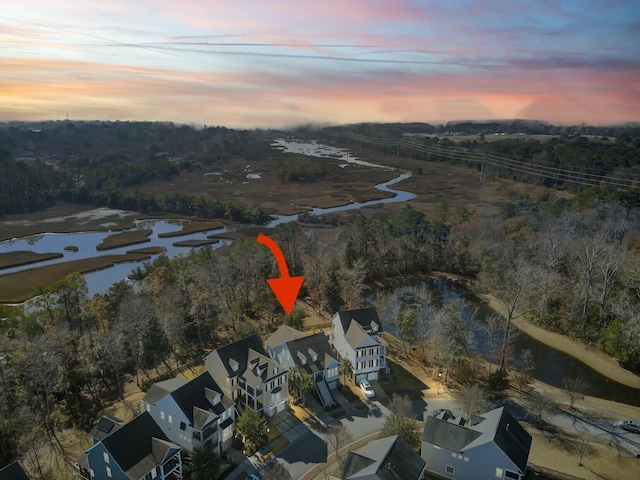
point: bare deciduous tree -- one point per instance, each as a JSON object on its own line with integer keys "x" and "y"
{"x": 540, "y": 404}
{"x": 471, "y": 399}
{"x": 338, "y": 436}
{"x": 575, "y": 388}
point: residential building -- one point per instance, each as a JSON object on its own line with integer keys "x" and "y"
{"x": 13, "y": 471}
{"x": 248, "y": 376}
{"x": 137, "y": 450}
{"x": 493, "y": 445}
{"x": 388, "y": 458}
{"x": 312, "y": 354}
{"x": 192, "y": 413}
{"x": 356, "y": 335}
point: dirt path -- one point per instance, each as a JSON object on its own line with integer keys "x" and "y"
{"x": 597, "y": 360}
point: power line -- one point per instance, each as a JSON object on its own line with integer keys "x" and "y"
{"x": 521, "y": 166}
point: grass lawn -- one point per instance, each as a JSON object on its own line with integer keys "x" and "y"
{"x": 123, "y": 239}
{"x": 404, "y": 380}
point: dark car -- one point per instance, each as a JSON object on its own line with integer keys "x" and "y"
{"x": 448, "y": 413}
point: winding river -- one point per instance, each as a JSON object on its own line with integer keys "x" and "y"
{"x": 551, "y": 365}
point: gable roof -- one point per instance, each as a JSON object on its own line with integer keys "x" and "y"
{"x": 260, "y": 368}
{"x": 497, "y": 426}
{"x": 388, "y": 458}
{"x": 139, "y": 446}
{"x": 238, "y": 352}
{"x": 357, "y": 337}
{"x": 159, "y": 390}
{"x": 365, "y": 317}
{"x": 13, "y": 471}
{"x": 307, "y": 346}
{"x": 192, "y": 397}
{"x": 282, "y": 335}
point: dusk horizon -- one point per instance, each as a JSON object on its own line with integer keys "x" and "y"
{"x": 283, "y": 65}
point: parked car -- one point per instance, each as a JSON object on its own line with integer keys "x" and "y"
{"x": 438, "y": 411}
{"x": 367, "y": 389}
{"x": 628, "y": 425}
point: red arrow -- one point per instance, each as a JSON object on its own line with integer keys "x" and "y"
{"x": 286, "y": 288}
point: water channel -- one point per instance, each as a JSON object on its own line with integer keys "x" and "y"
{"x": 551, "y": 365}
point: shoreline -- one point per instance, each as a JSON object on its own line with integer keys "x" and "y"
{"x": 597, "y": 360}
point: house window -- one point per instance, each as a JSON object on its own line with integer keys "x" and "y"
{"x": 148, "y": 407}
{"x": 499, "y": 472}
{"x": 161, "y": 415}
{"x": 170, "y": 419}
{"x": 450, "y": 469}
{"x": 108, "y": 472}
{"x": 105, "y": 455}
{"x": 509, "y": 474}
{"x": 183, "y": 426}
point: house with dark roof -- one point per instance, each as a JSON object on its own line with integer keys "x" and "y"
{"x": 388, "y": 458}
{"x": 192, "y": 413}
{"x": 492, "y": 445}
{"x": 312, "y": 355}
{"x": 356, "y": 335}
{"x": 13, "y": 471}
{"x": 138, "y": 450}
{"x": 249, "y": 377}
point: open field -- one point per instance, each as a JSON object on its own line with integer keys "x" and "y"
{"x": 123, "y": 239}
{"x": 17, "y": 287}
{"x": 16, "y": 259}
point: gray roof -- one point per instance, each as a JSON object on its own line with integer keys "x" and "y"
{"x": 192, "y": 397}
{"x": 160, "y": 390}
{"x": 260, "y": 368}
{"x": 238, "y": 351}
{"x": 282, "y": 335}
{"x": 497, "y": 426}
{"x": 388, "y": 458}
{"x": 139, "y": 446}
{"x": 307, "y": 346}
{"x": 447, "y": 435}
{"x": 357, "y": 337}
{"x": 364, "y": 316}
{"x": 13, "y": 471}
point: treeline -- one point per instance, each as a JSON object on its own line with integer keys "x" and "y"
{"x": 100, "y": 163}
{"x": 567, "y": 267}
{"x": 549, "y": 163}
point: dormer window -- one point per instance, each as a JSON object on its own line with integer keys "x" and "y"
{"x": 302, "y": 358}
{"x": 233, "y": 364}
{"x": 313, "y": 355}
{"x": 213, "y": 396}
{"x": 374, "y": 327}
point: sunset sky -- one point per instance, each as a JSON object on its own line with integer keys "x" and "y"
{"x": 281, "y": 63}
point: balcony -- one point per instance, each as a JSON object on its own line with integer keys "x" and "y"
{"x": 172, "y": 465}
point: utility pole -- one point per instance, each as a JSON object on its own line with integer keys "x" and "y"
{"x": 484, "y": 156}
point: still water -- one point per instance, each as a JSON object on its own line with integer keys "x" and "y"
{"x": 551, "y": 365}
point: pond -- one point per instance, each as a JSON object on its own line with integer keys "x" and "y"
{"x": 551, "y": 366}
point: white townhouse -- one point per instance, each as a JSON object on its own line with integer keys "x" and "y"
{"x": 356, "y": 335}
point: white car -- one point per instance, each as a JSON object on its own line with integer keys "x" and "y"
{"x": 628, "y": 425}
{"x": 367, "y": 389}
